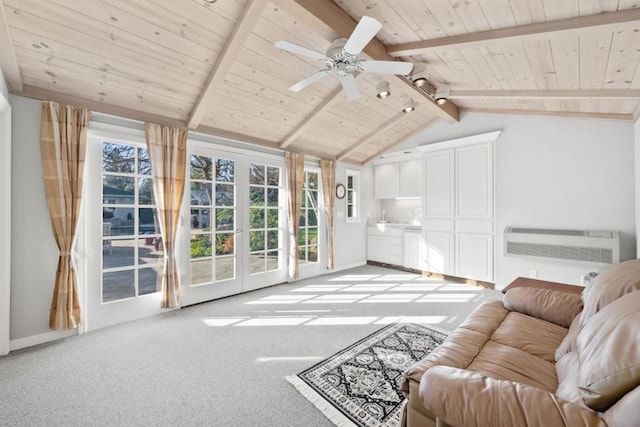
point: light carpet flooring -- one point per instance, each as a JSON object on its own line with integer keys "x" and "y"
{"x": 220, "y": 363}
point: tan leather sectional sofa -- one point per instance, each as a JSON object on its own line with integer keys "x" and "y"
{"x": 538, "y": 358}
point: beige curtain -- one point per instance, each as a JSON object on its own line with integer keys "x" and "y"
{"x": 295, "y": 177}
{"x": 328, "y": 168}
{"x": 168, "y": 153}
{"x": 63, "y": 146}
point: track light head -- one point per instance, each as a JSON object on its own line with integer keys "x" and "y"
{"x": 382, "y": 90}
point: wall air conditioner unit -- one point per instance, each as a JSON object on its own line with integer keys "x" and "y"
{"x": 601, "y": 247}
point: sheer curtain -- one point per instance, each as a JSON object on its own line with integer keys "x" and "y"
{"x": 328, "y": 168}
{"x": 295, "y": 178}
{"x": 63, "y": 146}
{"x": 168, "y": 153}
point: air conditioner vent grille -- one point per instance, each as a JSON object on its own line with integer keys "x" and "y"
{"x": 547, "y": 231}
{"x": 589, "y": 254}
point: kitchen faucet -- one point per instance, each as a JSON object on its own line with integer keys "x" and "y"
{"x": 383, "y": 214}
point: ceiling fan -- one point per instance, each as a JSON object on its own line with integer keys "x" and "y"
{"x": 341, "y": 59}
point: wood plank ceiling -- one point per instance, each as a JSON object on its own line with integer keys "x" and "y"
{"x": 212, "y": 67}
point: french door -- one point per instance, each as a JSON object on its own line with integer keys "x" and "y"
{"x": 233, "y": 221}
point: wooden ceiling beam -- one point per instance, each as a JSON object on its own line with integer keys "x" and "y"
{"x": 370, "y": 136}
{"x": 325, "y": 105}
{"x": 8, "y": 60}
{"x": 247, "y": 21}
{"x": 398, "y": 142}
{"x": 329, "y": 13}
{"x": 547, "y": 94}
{"x": 516, "y": 34}
{"x": 574, "y": 114}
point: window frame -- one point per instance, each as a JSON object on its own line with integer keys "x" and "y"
{"x": 354, "y": 192}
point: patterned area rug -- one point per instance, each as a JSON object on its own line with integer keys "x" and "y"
{"x": 360, "y": 386}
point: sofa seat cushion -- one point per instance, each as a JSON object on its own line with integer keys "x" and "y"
{"x": 534, "y": 336}
{"x": 568, "y": 370}
{"x": 504, "y": 362}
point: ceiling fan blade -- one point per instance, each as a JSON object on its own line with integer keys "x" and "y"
{"x": 366, "y": 30}
{"x": 309, "y": 80}
{"x": 386, "y": 67}
{"x": 350, "y": 87}
{"x": 299, "y": 50}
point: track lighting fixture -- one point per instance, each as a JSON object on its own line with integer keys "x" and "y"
{"x": 442, "y": 96}
{"x": 409, "y": 107}
{"x": 382, "y": 90}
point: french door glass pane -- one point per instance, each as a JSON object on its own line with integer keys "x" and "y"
{"x": 213, "y": 192}
{"x": 308, "y": 222}
{"x": 265, "y": 246}
{"x": 132, "y": 250}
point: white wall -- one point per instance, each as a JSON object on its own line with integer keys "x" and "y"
{"x": 557, "y": 173}
{"x": 636, "y": 134}
{"x": 5, "y": 217}
{"x": 350, "y": 240}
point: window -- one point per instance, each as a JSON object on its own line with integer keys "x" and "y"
{"x": 353, "y": 196}
{"x": 264, "y": 218}
{"x": 212, "y": 219}
{"x": 308, "y": 225}
{"x": 132, "y": 252}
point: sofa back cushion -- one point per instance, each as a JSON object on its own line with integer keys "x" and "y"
{"x": 611, "y": 284}
{"x": 568, "y": 344}
{"x": 608, "y": 348}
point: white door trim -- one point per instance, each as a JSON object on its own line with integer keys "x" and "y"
{"x": 5, "y": 225}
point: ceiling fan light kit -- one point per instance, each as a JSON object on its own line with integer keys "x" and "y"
{"x": 341, "y": 59}
{"x": 382, "y": 90}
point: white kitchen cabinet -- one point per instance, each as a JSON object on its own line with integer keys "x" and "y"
{"x": 414, "y": 250}
{"x": 385, "y": 244}
{"x": 458, "y": 208}
{"x": 411, "y": 178}
{"x": 377, "y": 248}
{"x": 387, "y": 180}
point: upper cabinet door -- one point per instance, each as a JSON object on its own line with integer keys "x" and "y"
{"x": 474, "y": 178}
{"x": 411, "y": 178}
{"x": 439, "y": 182}
{"x": 387, "y": 180}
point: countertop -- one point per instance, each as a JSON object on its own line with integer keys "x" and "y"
{"x": 405, "y": 225}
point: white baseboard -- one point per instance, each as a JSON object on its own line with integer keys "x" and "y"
{"x": 19, "y": 343}
{"x": 346, "y": 267}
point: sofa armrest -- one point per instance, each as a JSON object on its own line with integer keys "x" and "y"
{"x": 553, "y": 306}
{"x": 461, "y": 397}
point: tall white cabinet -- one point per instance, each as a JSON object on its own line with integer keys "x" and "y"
{"x": 458, "y": 205}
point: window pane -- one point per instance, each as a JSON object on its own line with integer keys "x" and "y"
{"x": 148, "y": 282}
{"x": 145, "y": 191}
{"x": 200, "y": 194}
{"x": 118, "y": 285}
{"x": 117, "y": 221}
{"x": 224, "y": 244}
{"x": 256, "y": 196}
{"x": 257, "y": 263}
{"x": 302, "y": 256}
{"x": 200, "y": 219}
{"x": 201, "y": 272}
{"x": 118, "y": 190}
{"x": 272, "y": 260}
{"x": 150, "y": 250}
{"x": 225, "y": 219}
{"x": 225, "y": 170}
{"x": 273, "y": 176}
{"x": 256, "y": 174}
{"x": 256, "y": 241}
{"x": 312, "y": 236}
{"x": 201, "y": 167}
{"x": 225, "y": 195}
{"x": 302, "y": 221}
{"x": 147, "y": 221}
{"x": 256, "y": 218}
{"x": 272, "y": 239}
{"x": 313, "y": 254}
{"x": 272, "y": 197}
{"x": 144, "y": 163}
{"x": 302, "y": 237}
{"x": 313, "y": 218}
{"x": 349, "y": 211}
{"x": 313, "y": 181}
{"x": 118, "y": 253}
{"x": 225, "y": 268}
{"x": 200, "y": 245}
{"x": 272, "y": 218}
{"x": 118, "y": 158}
{"x": 313, "y": 199}
{"x": 350, "y": 182}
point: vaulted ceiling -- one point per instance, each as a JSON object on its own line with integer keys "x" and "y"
{"x": 212, "y": 67}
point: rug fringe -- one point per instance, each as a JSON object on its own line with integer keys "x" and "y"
{"x": 320, "y": 402}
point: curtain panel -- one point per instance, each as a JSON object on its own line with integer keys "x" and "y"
{"x": 295, "y": 179}
{"x": 63, "y": 147}
{"x": 168, "y": 153}
{"x": 328, "y": 168}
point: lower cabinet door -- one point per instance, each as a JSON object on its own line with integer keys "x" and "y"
{"x": 377, "y": 248}
{"x": 439, "y": 252}
{"x": 474, "y": 256}
{"x": 413, "y": 252}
